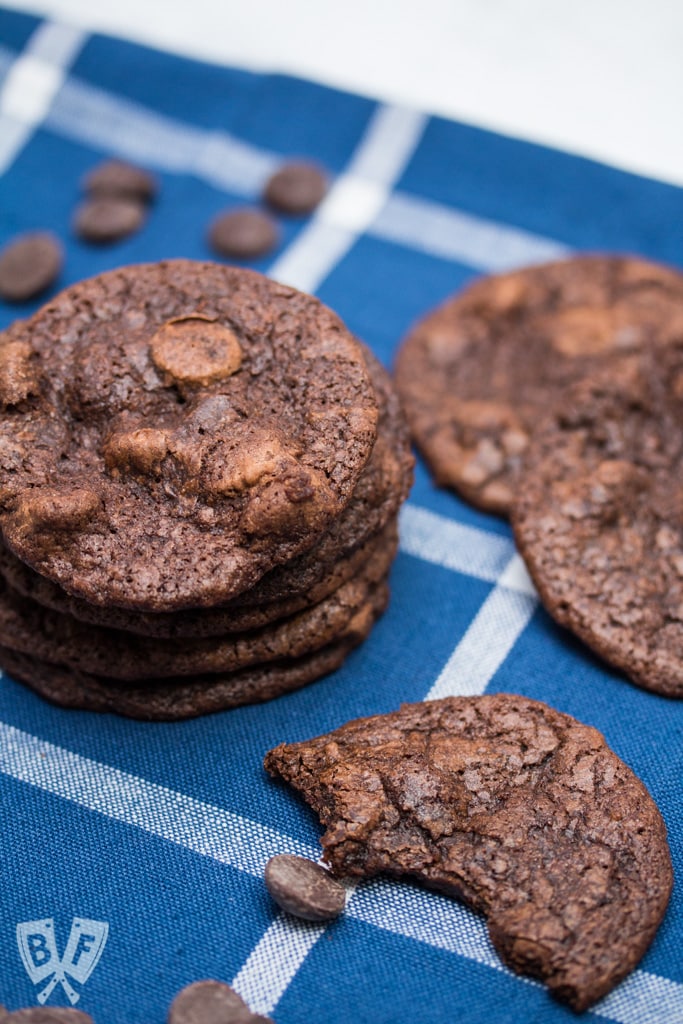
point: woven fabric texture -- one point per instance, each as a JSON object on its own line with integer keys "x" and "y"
{"x": 162, "y": 831}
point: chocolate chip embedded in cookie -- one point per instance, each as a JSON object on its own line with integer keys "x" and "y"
{"x": 208, "y": 423}
{"x": 598, "y": 517}
{"x": 18, "y": 372}
{"x": 519, "y": 810}
{"x": 195, "y": 351}
{"x": 476, "y": 374}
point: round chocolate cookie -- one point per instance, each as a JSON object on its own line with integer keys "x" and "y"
{"x": 367, "y": 522}
{"x": 598, "y": 518}
{"x": 171, "y": 432}
{"x": 520, "y": 811}
{"x": 475, "y": 375}
{"x": 60, "y": 639}
{"x": 173, "y": 699}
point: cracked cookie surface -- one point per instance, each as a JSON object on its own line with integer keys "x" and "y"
{"x": 366, "y": 523}
{"x": 475, "y": 375}
{"x": 598, "y": 517}
{"x": 171, "y": 432}
{"x": 517, "y": 809}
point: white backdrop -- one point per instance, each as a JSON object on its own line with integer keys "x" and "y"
{"x": 598, "y": 77}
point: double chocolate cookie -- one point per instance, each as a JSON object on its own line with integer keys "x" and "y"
{"x": 598, "y": 517}
{"x": 476, "y": 374}
{"x": 200, "y": 472}
{"x": 171, "y": 432}
{"x": 520, "y": 811}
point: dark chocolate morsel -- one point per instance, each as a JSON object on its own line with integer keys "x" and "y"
{"x": 119, "y": 178}
{"x": 208, "y": 1002}
{"x": 243, "y": 234}
{"x": 304, "y": 888}
{"x": 29, "y": 264}
{"x": 297, "y": 187}
{"x": 105, "y": 219}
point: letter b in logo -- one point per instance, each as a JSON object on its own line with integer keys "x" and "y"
{"x": 38, "y": 949}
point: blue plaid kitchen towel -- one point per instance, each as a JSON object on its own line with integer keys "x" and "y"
{"x": 149, "y": 840}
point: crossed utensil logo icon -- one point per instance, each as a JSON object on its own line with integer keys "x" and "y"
{"x": 38, "y": 949}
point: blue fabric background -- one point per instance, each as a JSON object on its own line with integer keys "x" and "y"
{"x": 175, "y": 914}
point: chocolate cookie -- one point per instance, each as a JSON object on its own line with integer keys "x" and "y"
{"x": 206, "y": 622}
{"x": 598, "y": 517}
{"x": 171, "y": 432}
{"x": 60, "y": 639}
{"x": 381, "y": 488}
{"x": 519, "y": 810}
{"x": 476, "y": 374}
{"x": 173, "y": 699}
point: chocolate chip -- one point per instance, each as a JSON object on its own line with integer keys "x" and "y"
{"x": 136, "y": 451}
{"x": 17, "y": 372}
{"x": 47, "y": 1015}
{"x": 108, "y": 219}
{"x": 118, "y": 178}
{"x": 196, "y": 351}
{"x": 29, "y": 265}
{"x": 243, "y": 234}
{"x": 208, "y": 1002}
{"x": 46, "y": 508}
{"x": 297, "y": 187}
{"x": 304, "y": 888}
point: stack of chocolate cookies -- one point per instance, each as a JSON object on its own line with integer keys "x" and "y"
{"x": 200, "y": 476}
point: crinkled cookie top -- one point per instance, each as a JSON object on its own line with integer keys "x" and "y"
{"x": 170, "y": 432}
